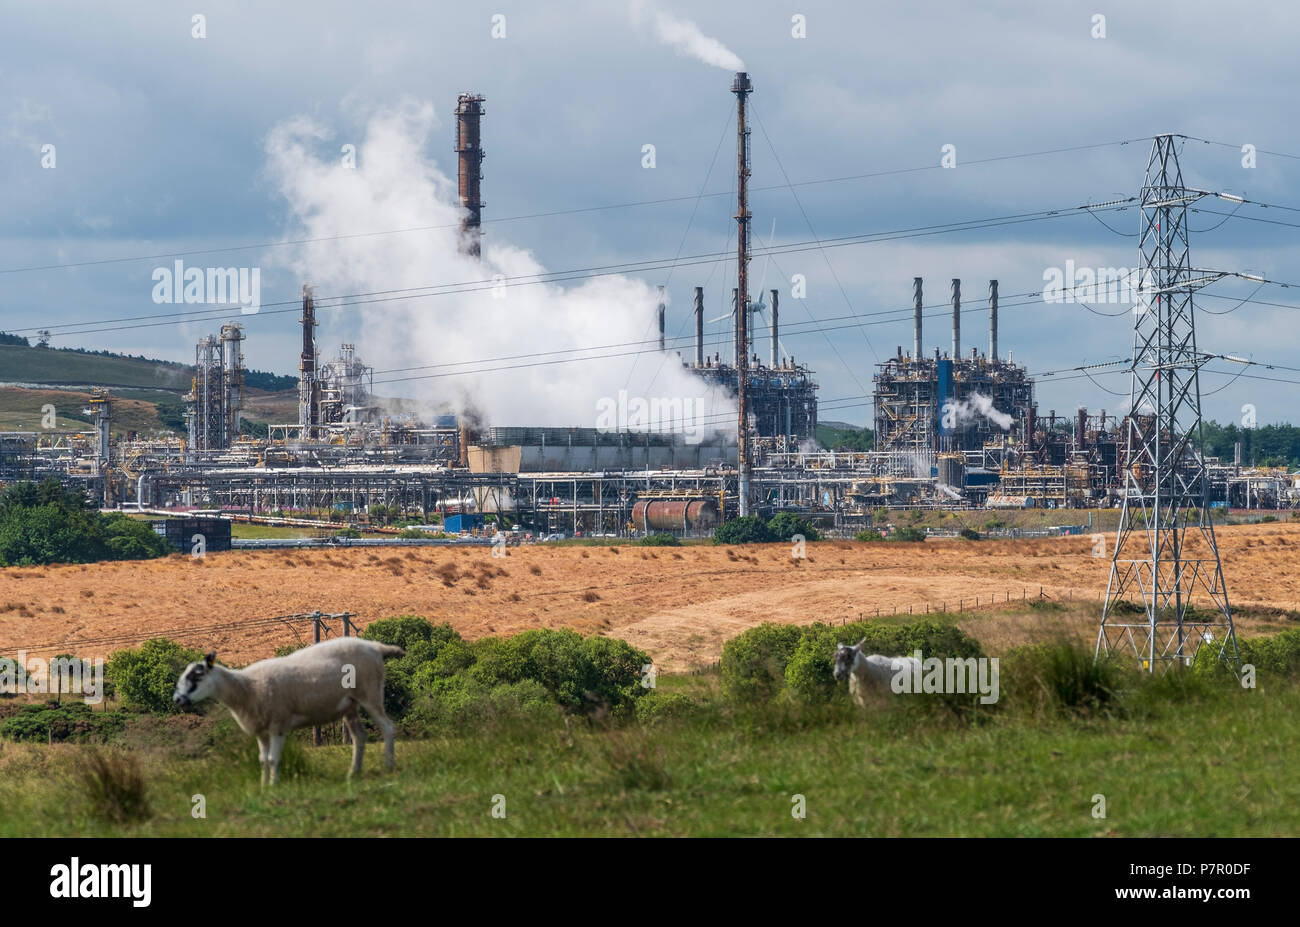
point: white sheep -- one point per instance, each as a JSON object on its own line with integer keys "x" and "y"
{"x": 316, "y": 685}
{"x": 870, "y": 671}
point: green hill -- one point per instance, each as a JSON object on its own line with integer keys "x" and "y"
{"x": 60, "y": 366}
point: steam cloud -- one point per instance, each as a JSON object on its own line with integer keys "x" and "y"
{"x": 395, "y": 185}
{"x": 976, "y": 407}
{"x": 684, "y": 36}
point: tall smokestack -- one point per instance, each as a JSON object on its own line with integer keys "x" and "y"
{"x": 916, "y": 318}
{"x": 699, "y": 326}
{"x": 993, "y": 320}
{"x": 469, "y": 107}
{"x": 775, "y": 331}
{"x": 662, "y": 307}
{"x": 308, "y": 385}
{"x": 956, "y": 318}
{"x": 735, "y": 321}
{"x": 742, "y": 88}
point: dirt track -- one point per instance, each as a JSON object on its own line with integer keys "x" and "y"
{"x": 677, "y": 604}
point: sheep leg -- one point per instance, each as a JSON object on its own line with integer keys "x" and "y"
{"x": 263, "y": 749}
{"x": 352, "y": 721}
{"x": 375, "y": 708}
{"x": 277, "y": 745}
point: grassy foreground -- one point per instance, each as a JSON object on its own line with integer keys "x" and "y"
{"x": 1211, "y": 765}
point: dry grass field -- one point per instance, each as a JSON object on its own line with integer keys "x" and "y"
{"x": 678, "y": 604}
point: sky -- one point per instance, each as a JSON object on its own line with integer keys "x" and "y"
{"x": 227, "y": 149}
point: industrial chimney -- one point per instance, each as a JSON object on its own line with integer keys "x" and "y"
{"x": 469, "y": 107}
{"x": 308, "y": 385}
{"x": 993, "y": 320}
{"x": 916, "y": 318}
{"x": 775, "y": 331}
{"x": 662, "y": 307}
{"x": 699, "y": 326}
{"x": 956, "y": 319}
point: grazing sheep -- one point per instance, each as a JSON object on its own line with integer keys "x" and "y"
{"x": 870, "y": 671}
{"x": 316, "y": 685}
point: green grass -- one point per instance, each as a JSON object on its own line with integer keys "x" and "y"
{"x": 1216, "y": 764}
{"x": 50, "y": 365}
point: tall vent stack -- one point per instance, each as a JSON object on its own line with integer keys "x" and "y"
{"x": 775, "y": 331}
{"x": 662, "y": 307}
{"x": 699, "y": 326}
{"x": 742, "y": 88}
{"x": 993, "y": 320}
{"x": 469, "y": 109}
{"x": 308, "y": 384}
{"x": 956, "y": 318}
{"x": 916, "y": 318}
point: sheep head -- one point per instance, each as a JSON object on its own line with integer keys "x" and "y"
{"x": 844, "y": 657}
{"x": 196, "y": 682}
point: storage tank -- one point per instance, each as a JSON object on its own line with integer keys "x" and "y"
{"x": 651, "y": 515}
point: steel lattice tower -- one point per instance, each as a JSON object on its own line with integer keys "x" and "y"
{"x": 1165, "y": 555}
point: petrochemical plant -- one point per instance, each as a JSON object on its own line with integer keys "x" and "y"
{"x": 953, "y": 428}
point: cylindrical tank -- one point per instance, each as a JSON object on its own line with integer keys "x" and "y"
{"x": 674, "y": 514}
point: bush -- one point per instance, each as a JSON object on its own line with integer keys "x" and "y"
{"x": 870, "y": 534}
{"x": 809, "y": 676}
{"x": 422, "y": 641}
{"x": 54, "y": 722}
{"x": 1278, "y": 654}
{"x": 968, "y": 534}
{"x": 783, "y": 526}
{"x": 754, "y": 661}
{"x": 659, "y": 706}
{"x": 747, "y": 530}
{"x": 130, "y": 539}
{"x": 147, "y": 677}
{"x": 660, "y": 539}
{"x": 907, "y": 535}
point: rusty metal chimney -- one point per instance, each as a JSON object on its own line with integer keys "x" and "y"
{"x": 469, "y": 108}
{"x": 916, "y": 318}
{"x": 742, "y": 88}
{"x": 699, "y": 326}
{"x": 308, "y": 384}
{"x": 993, "y": 320}
{"x": 662, "y": 307}
{"x": 956, "y": 319}
{"x": 775, "y": 349}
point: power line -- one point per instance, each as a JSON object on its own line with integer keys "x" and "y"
{"x": 551, "y": 213}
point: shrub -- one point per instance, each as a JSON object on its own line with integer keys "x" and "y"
{"x": 660, "y": 539}
{"x": 869, "y": 534}
{"x": 423, "y": 641}
{"x": 907, "y": 535}
{"x": 968, "y": 534}
{"x": 809, "y": 676}
{"x": 747, "y": 530}
{"x": 146, "y": 678}
{"x": 658, "y": 706}
{"x": 54, "y": 722}
{"x": 754, "y": 661}
{"x": 130, "y": 539}
{"x": 1278, "y": 654}
{"x": 783, "y": 526}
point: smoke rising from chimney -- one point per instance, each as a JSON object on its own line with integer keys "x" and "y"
{"x": 397, "y": 185}
{"x": 684, "y": 36}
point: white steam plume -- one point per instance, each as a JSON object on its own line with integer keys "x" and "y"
{"x": 976, "y": 407}
{"x": 395, "y": 185}
{"x": 684, "y": 36}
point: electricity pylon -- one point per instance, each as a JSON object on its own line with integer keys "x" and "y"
{"x": 1165, "y": 554}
